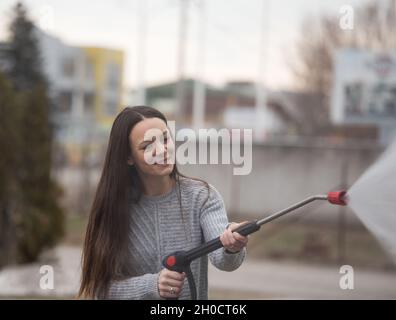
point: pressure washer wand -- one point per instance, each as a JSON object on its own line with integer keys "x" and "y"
{"x": 291, "y": 208}
{"x": 180, "y": 261}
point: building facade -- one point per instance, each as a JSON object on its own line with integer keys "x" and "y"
{"x": 85, "y": 86}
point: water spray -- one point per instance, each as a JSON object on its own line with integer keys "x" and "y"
{"x": 180, "y": 260}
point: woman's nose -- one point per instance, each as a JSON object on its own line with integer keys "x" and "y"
{"x": 159, "y": 149}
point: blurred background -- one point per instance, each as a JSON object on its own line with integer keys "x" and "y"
{"x": 315, "y": 80}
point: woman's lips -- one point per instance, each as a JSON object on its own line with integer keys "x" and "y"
{"x": 165, "y": 163}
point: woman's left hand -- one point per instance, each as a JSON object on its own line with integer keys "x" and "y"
{"x": 233, "y": 241}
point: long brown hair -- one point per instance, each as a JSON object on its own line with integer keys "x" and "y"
{"x": 106, "y": 238}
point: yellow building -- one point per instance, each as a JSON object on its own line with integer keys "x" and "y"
{"x": 107, "y": 67}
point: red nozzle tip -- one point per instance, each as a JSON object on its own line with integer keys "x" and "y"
{"x": 338, "y": 197}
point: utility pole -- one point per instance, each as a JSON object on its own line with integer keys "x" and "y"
{"x": 199, "y": 85}
{"x": 262, "y": 122}
{"x": 141, "y": 51}
{"x": 180, "y": 88}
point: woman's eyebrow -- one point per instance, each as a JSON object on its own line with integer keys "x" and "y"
{"x": 144, "y": 141}
{"x": 165, "y": 132}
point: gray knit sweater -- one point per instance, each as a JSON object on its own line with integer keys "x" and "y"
{"x": 158, "y": 228}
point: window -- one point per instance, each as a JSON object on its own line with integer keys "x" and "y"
{"x": 89, "y": 100}
{"x": 110, "y": 107}
{"x": 68, "y": 67}
{"x": 89, "y": 71}
{"x": 113, "y": 75}
{"x": 64, "y": 104}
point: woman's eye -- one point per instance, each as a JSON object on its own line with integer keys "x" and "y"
{"x": 150, "y": 145}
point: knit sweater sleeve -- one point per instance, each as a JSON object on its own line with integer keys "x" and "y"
{"x": 213, "y": 219}
{"x": 135, "y": 288}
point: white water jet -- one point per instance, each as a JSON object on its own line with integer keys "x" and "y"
{"x": 373, "y": 199}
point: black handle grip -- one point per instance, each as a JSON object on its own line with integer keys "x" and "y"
{"x": 215, "y": 244}
{"x": 247, "y": 228}
{"x": 177, "y": 261}
{"x": 180, "y": 260}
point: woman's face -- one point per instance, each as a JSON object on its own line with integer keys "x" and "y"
{"x": 152, "y": 147}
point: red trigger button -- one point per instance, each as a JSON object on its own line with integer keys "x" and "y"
{"x": 171, "y": 261}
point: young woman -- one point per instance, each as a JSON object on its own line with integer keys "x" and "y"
{"x": 145, "y": 209}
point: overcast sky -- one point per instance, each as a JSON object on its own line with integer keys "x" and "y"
{"x": 233, "y": 32}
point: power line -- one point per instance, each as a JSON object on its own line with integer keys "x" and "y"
{"x": 230, "y": 33}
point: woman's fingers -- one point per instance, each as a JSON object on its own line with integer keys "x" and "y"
{"x": 237, "y": 236}
{"x": 169, "y": 289}
{"x": 170, "y": 283}
{"x": 234, "y": 225}
{"x": 176, "y": 275}
{"x": 174, "y": 283}
{"x": 230, "y": 237}
{"x": 224, "y": 239}
{"x": 233, "y": 241}
{"x": 227, "y": 239}
{"x": 240, "y": 238}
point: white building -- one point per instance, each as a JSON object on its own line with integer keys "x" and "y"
{"x": 364, "y": 90}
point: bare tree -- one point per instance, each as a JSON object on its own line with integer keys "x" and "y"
{"x": 374, "y": 29}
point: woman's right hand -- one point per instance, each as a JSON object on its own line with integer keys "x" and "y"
{"x": 170, "y": 283}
